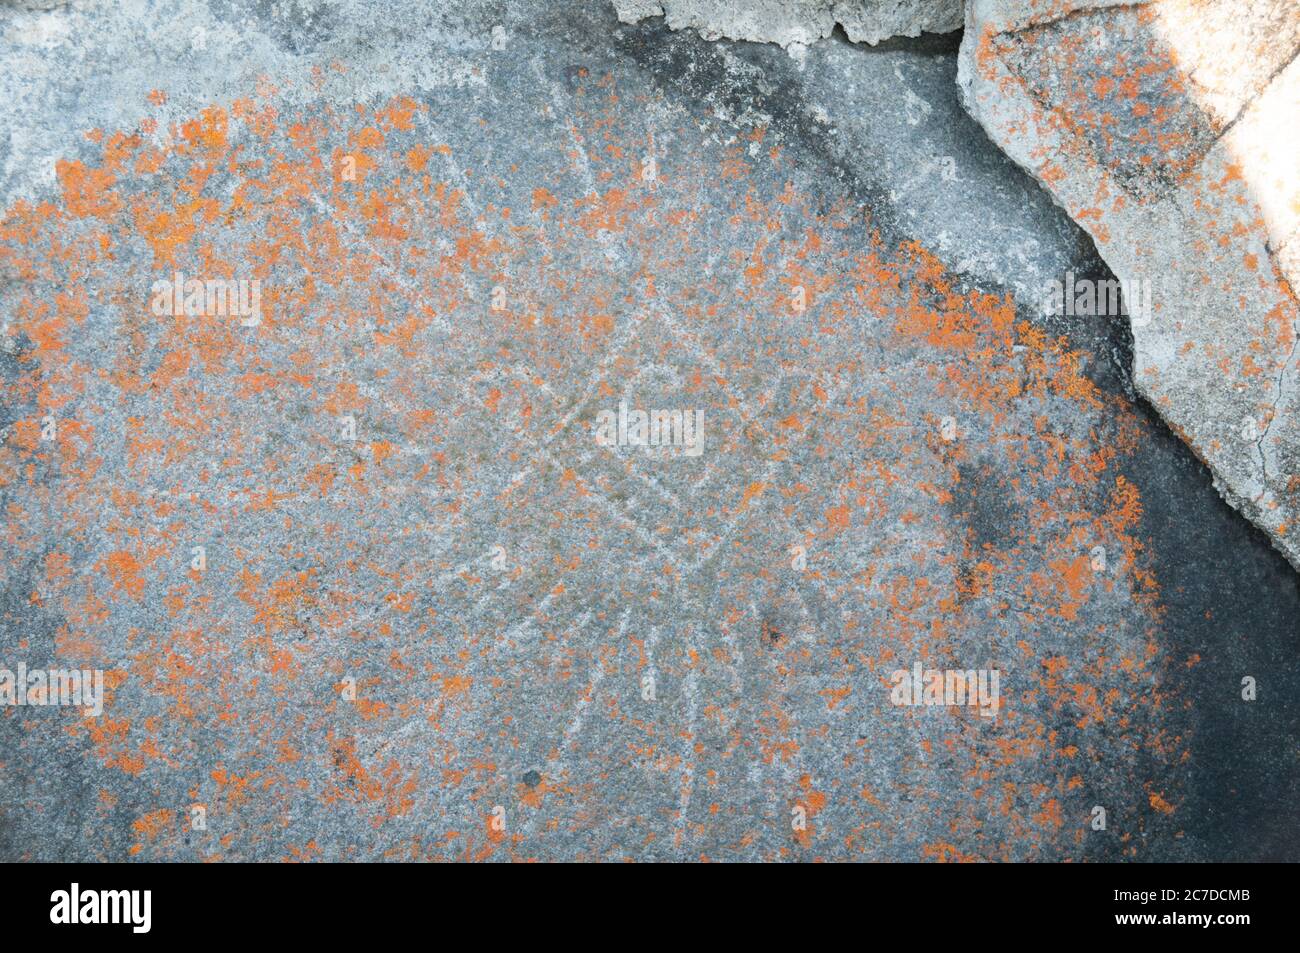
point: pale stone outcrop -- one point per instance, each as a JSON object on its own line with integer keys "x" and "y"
{"x": 1171, "y": 132}
{"x": 789, "y": 22}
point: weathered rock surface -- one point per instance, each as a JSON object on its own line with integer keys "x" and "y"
{"x": 788, "y": 22}
{"x": 1171, "y": 132}
{"x": 429, "y": 601}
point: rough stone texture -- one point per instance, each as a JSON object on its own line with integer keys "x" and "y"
{"x": 497, "y": 584}
{"x": 791, "y": 22}
{"x": 1171, "y": 132}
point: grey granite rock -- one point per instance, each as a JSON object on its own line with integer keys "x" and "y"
{"x": 799, "y": 22}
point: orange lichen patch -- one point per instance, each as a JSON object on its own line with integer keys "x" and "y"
{"x": 278, "y": 610}
{"x": 234, "y": 788}
{"x": 110, "y": 737}
{"x": 542, "y": 198}
{"x": 57, "y": 568}
{"x": 417, "y": 158}
{"x": 151, "y": 826}
{"x": 206, "y": 135}
{"x": 125, "y": 571}
{"x": 154, "y": 823}
{"x": 1160, "y": 804}
{"x": 1050, "y": 816}
{"x": 946, "y": 853}
{"x": 837, "y": 518}
{"x": 88, "y": 192}
{"x": 752, "y": 492}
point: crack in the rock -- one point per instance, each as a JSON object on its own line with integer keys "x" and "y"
{"x": 1074, "y": 14}
{"x": 1279, "y": 388}
{"x": 1264, "y": 88}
